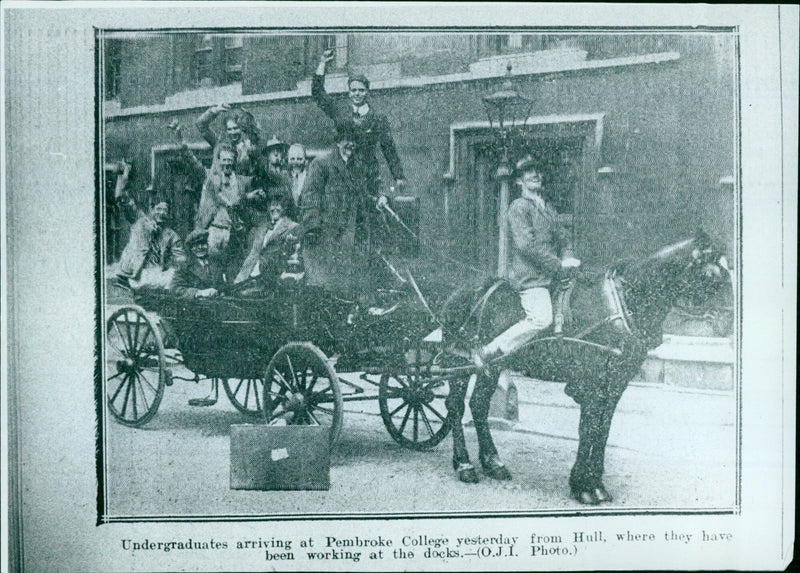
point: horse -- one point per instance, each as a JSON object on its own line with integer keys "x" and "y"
{"x": 616, "y": 317}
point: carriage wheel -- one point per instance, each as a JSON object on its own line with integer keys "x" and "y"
{"x": 245, "y": 395}
{"x": 413, "y": 409}
{"x": 135, "y": 368}
{"x": 301, "y": 387}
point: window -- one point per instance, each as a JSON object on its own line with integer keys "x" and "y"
{"x": 233, "y": 59}
{"x": 203, "y": 59}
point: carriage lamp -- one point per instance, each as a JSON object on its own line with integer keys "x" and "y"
{"x": 508, "y": 113}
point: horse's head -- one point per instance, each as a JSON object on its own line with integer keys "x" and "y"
{"x": 707, "y": 271}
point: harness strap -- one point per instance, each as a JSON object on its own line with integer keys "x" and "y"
{"x": 480, "y": 305}
{"x": 621, "y": 312}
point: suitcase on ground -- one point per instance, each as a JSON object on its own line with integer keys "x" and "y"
{"x": 280, "y": 457}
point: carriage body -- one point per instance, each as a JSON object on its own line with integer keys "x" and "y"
{"x": 278, "y": 356}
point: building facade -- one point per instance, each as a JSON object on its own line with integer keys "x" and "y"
{"x": 638, "y": 130}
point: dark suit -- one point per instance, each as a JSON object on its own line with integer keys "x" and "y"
{"x": 194, "y": 276}
{"x": 335, "y": 219}
{"x": 372, "y": 130}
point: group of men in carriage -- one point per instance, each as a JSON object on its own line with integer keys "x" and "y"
{"x": 252, "y": 215}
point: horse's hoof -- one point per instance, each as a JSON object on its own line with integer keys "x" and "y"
{"x": 498, "y": 472}
{"x": 586, "y": 497}
{"x": 601, "y": 494}
{"x": 467, "y": 473}
{"x": 495, "y": 469}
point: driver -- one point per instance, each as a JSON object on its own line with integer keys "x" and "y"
{"x": 540, "y": 252}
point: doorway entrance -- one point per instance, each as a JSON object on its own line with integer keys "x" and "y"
{"x": 568, "y": 149}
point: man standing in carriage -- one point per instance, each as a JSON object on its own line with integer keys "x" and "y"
{"x": 370, "y": 129}
{"x": 337, "y": 211}
{"x": 541, "y": 252}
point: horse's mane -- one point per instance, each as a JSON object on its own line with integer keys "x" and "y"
{"x": 633, "y": 267}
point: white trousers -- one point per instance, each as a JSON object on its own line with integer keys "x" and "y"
{"x": 538, "y": 316}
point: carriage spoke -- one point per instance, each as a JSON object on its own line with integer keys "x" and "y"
{"x": 400, "y": 407}
{"x": 313, "y": 417}
{"x": 435, "y": 411}
{"x": 110, "y": 378}
{"x": 148, "y": 382}
{"x": 325, "y": 410}
{"x": 279, "y": 411}
{"x": 127, "y": 351}
{"x": 119, "y": 388}
{"x": 135, "y": 337}
{"x": 133, "y": 401}
{"x": 144, "y": 396}
{"x": 128, "y": 387}
{"x": 142, "y": 348}
{"x": 128, "y": 329}
{"x": 282, "y": 381}
{"x": 401, "y": 382}
{"x": 394, "y": 393}
{"x": 247, "y": 394}
{"x": 313, "y": 383}
{"x": 416, "y": 423}
{"x": 239, "y": 385}
{"x": 426, "y": 421}
{"x": 255, "y": 395}
{"x": 111, "y": 342}
{"x": 291, "y": 369}
{"x": 405, "y": 419}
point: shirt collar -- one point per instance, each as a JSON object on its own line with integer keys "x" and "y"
{"x": 361, "y": 110}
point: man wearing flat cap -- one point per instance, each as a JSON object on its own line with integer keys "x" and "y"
{"x": 199, "y": 277}
{"x": 541, "y": 252}
{"x": 371, "y": 129}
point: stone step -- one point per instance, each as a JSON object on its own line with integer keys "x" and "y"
{"x": 691, "y": 362}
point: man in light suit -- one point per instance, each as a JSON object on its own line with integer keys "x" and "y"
{"x": 274, "y": 241}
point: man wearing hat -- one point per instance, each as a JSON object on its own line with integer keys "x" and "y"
{"x": 199, "y": 277}
{"x": 335, "y": 212}
{"x": 273, "y": 180}
{"x": 371, "y": 129}
{"x": 541, "y": 252}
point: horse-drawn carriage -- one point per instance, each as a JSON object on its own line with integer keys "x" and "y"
{"x": 277, "y": 358}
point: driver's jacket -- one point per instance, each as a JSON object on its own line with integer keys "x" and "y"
{"x": 538, "y": 242}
